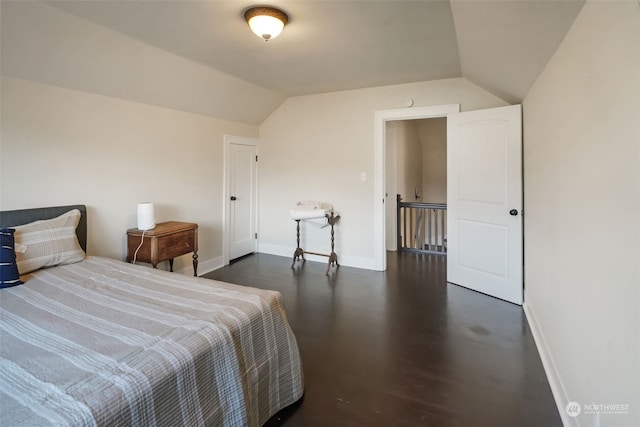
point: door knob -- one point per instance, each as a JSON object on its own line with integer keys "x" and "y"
{"x": 513, "y": 212}
{"x": 234, "y": 198}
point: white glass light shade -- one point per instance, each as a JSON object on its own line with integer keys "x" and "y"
{"x": 266, "y": 22}
{"x": 267, "y": 27}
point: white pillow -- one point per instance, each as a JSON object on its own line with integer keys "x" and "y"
{"x": 48, "y": 242}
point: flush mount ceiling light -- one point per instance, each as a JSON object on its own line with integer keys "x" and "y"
{"x": 266, "y": 22}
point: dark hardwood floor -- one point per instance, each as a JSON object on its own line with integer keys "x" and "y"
{"x": 402, "y": 347}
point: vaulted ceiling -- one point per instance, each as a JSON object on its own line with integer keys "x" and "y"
{"x": 328, "y": 46}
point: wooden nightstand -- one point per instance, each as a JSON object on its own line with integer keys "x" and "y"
{"x": 164, "y": 242}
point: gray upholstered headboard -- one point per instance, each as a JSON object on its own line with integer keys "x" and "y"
{"x": 25, "y": 216}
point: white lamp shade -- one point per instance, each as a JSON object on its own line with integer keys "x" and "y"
{"x": 146, "y": 216}
{"x": 267, "y": 27}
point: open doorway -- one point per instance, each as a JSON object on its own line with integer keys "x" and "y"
{"x": 382, "y": 197}
{"x": 416, "y": 171}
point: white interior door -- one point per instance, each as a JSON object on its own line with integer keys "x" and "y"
{"x": 242, "y": 195}
{"x": 484, "y": 201}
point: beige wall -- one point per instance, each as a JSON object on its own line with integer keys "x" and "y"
{"x": 582, "y": 204}
{"x": 433, "y": 137}
{"x": 317, "y": 147}
{"x": 409, "y": 160}
{"x": 60, "y": 146}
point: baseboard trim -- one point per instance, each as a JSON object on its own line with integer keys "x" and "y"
{"x": 553, "y": 377}
{"x": 204, "y": 267}
{"x": 347, "y": 261}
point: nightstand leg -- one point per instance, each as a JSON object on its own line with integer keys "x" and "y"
{"x": 171, "y": 265}
{"x": 195, "y": 264}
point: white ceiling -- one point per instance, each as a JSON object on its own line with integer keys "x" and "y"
{"x": 337, "y": 45}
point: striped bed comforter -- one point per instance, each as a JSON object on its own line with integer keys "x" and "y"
{"x": 102, "y": 342}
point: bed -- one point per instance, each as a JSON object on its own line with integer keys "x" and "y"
{"x": 102, "y": 342}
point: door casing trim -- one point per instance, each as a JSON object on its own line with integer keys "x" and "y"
{"x": 380, "y": 119}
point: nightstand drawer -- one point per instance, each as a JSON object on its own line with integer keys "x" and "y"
{"x": 174, "y": 245}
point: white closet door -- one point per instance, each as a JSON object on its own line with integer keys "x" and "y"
{"x": 242, "y": 196}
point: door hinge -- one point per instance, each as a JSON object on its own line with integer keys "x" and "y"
{"x": 256, "y": 235}
{"x": 256, "y": 158}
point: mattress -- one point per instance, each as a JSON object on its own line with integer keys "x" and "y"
{"x": 102, "y": 342}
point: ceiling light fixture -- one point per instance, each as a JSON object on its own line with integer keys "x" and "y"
{"x": 266, "y": 22}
